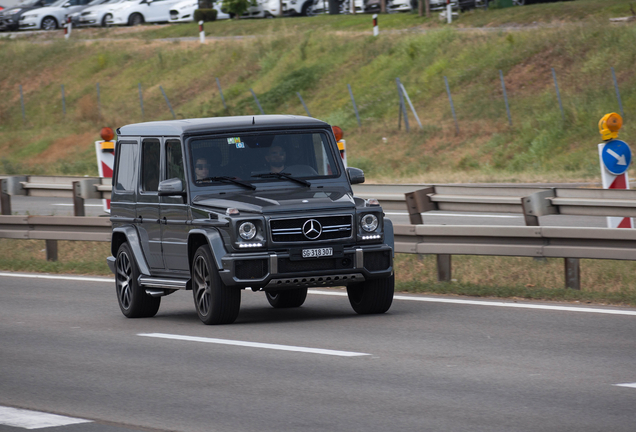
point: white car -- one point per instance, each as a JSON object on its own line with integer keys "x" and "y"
{"x": 136, "y": 12}
{"x": 51, "y": 17}
{"x": 98, "y": 15}
{"x": 300, "y": 7}
{"x": 263, "y": 9}
{"x": 184, "y": 11}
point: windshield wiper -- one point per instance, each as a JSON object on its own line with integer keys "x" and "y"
{"x": 283, "y": 175}
{"x": 228, "y": 179}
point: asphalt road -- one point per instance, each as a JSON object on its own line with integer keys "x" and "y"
{"x": 429, "y": 364}
{"x": 64, "y": 207}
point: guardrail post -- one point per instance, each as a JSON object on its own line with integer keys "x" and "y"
{"x": 51, "y": 250}
{"x": 444, "y": 268}
{"x": 5, "y": 199}
{"x": 78, "y": 201}
{"x": 418, "y": 202}
{"x": 536, "y": 205}
{"x": 572, "y": 273}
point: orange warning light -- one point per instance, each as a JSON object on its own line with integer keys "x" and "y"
{"x": 609, "y": 126}
{"x": 337, "y": 132}
{"x": 107, "y": 134}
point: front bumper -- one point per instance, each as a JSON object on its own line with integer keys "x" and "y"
{"x": 285, "y": 270}
{"x": 26, "y": 23}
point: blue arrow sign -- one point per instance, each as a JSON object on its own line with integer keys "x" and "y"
{"x": 616, "y": 156}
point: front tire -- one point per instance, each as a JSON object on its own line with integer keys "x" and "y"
{"x": 215, "y": 303}
{"x": 132, "y": 298}
{"x": 372, "y": 297}
{"x": 287, "y": 299}
{"x": 105, "y": 20}
{"x": 49, "y": 23}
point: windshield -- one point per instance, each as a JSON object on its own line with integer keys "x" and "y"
{"x": 31, "y": 3}
{"x": 58, "y": 3}
{"x": 247, "y": 157}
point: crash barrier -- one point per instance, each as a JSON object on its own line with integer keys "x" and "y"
{"x": 78, "y": 188}
{"x": 570, "y": 243}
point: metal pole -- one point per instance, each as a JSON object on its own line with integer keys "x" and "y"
{"x": 257, "y": 102}
{"x": 63, "y": 100}
{"x": 355, "y": 107}
{"x": 503, "y": 86}
{"x": 5, "y": 198}
{"x": 408, "y": 99}
{"x": 141, "y": 101}
{"x": 402, "y": 105}
{"x": 556, "y": 84}
{"x": 22, "y": 104}
{"x": 99, "y": 104}
{"x": 618, "y": 93}
{"x": 168, "y": 102}
{"x": 450, "y": 99}
{"x": 218, "y": 83}
{"x": 303, "y": 102}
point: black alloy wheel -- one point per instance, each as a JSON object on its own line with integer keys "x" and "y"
{"x": 132, "y": 298}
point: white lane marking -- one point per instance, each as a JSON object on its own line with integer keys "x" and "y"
{"x": 255, "y": 345}
{"x": 499, "y": 304}
{"x": 27, "y": 419}
{"x": 397, "y": 297}
{"x": 85, "y": 205}
{"x": 631, "y": 385}
{"x": 455, "y": 214}
{"x": 45, "y": 276}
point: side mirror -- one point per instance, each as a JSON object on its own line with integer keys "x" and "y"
{"x": 171, "y": 187}
{"x": 356, "y": 175}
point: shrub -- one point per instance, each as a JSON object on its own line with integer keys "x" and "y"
{"x": 205, "y": 15}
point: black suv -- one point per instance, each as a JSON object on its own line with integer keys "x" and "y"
{"x": 223, "y": 204}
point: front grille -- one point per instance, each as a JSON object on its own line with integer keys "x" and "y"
{"x": 291, "y": 230}
{"x": 250, "y": 269}
{"x": 376, "y": 261}
{"x": 285, "y": 265}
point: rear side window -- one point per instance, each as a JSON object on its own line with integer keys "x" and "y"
{"x": 126, "y": 167}
{"x": 150, "y": 159}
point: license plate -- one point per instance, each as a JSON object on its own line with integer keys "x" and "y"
{"x": 317, "y": 252}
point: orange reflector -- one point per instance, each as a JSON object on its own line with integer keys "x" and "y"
{"x": 337, "y": 132}
{"x": 107, "y": 134}
{"x": 614, "y": 122}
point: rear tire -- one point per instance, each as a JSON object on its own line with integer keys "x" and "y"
{"x": 132, "y": 298}
{"x": 135, "y": 20}
{"x": 287, "y": 298}
{"x": 372, "y": 297}
{"x": 215, "y": 303}
{"x": 49, "y": 23}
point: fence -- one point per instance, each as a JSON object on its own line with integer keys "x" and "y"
{"x": 400, "y": 98}
{"x": 532, "y": 240}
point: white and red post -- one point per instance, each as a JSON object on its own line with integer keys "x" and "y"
{"x": 201, "y": 32}
{"x": 68, "y": 27}
{"x": 105, "y": 166}
{"x": 611, "y": 181}
{"x": 376, "y": 29}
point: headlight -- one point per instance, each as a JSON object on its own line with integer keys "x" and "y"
{"x": 247, "y": 230}
{"x": 369, "y": 222}
{"x": 29, "y": 16}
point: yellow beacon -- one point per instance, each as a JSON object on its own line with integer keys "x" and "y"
{"x": 609, "y": 126}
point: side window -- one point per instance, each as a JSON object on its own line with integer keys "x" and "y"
{"x": 126, "y": 167}
{"x": 174, "y": 160}
{"x": 150, "y": 158}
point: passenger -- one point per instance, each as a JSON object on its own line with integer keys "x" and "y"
{"x": 276, "y": 158}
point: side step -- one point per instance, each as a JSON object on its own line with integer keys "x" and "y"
{"x": 158, "y": 287}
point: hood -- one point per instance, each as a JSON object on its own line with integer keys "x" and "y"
{"x": 279, "y": 201}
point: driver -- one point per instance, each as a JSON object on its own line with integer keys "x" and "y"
{"x": 276, "y": 158}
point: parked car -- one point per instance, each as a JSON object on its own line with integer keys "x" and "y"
{"x": 10, "y": 17}
{"x": 199, "y": 205}
{"x": 263, "y": 9}
{"x": 96, "y": 14}
{"x": 51, "y": 17}
{"x": 75, "y": 16}
{"x": 299, "y": 7}
{"x": 184, "y": 11}
{"x": 136, "y": 12}
{"x": 322, "y": 6}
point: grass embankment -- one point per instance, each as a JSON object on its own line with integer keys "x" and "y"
{"x": 609, "y": 282}
{"x": 319, "y": 64}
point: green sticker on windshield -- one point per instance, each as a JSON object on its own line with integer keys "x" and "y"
{"x": 233, "y": 140}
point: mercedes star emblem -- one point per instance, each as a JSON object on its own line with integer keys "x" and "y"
{"x": 312, "y": 229}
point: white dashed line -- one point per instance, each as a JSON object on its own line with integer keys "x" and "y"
{"x": 28, "y": 419}
{"x": 631, "y": 385}
{"x": 255, "y": 345}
